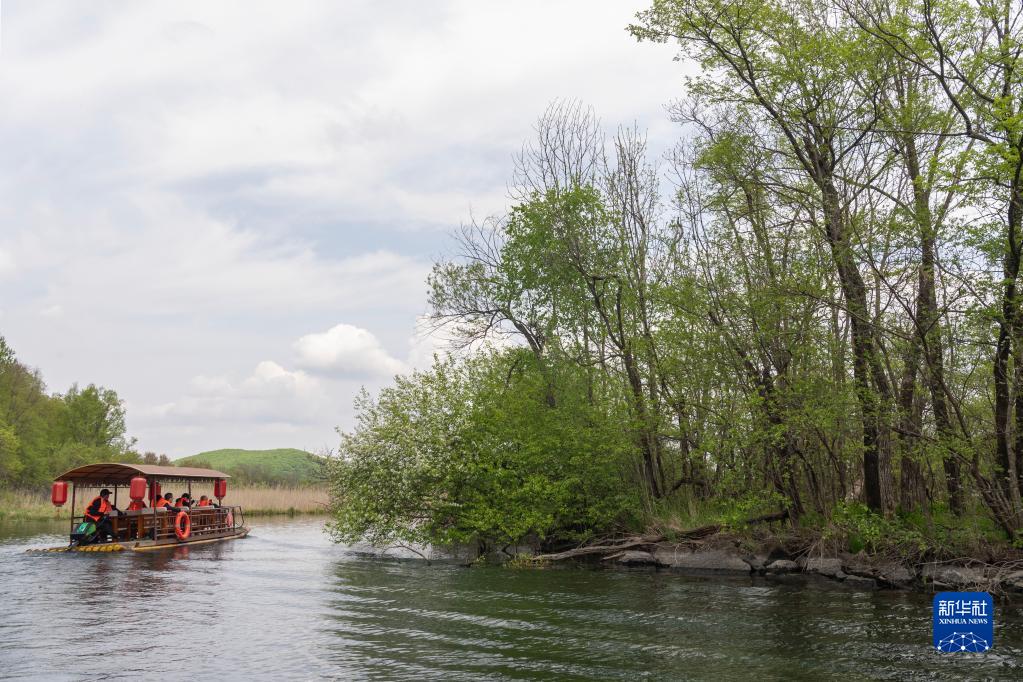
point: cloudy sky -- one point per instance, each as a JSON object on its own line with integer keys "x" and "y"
{"x": 226, "y": 211}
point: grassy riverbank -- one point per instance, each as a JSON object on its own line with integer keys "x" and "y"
{"x": 854, "y": 546}
{"x": 255, "y": 500}
{"x": 932, "y": 534}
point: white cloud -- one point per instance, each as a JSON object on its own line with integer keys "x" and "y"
{"x": 338, "y": 106}
{"x": 269, "y": 394}
{"x": 195, "y": 185}
{"x": 6, "y": 262}
{"x": 271, "y": 405}
{"x": 269, "y": 378}
{"x": 184, "y": 262}
{"x": 346, "y": 350}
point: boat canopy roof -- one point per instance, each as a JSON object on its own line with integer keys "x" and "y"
{"x": 109, "y": 473}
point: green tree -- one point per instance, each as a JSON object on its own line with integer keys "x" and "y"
{"x": 792, "y": 68}
{"x": 471, "y": 452}
{"x": 10, "y": 461}
{"x": 44, "y": 435}
{"x": 94, "y": 416}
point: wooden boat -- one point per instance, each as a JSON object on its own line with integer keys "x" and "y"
{"x": 151, "y": 528}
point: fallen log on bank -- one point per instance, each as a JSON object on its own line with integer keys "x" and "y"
{"x": 648, "y": 540}
{"x": 601, "y": 549}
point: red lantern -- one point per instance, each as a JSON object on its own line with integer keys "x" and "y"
{"x": 137, "y": 488}
{"x": 58, "y": 495}
{"x": 220, "y": 488}
{"x": 154, "y": 492}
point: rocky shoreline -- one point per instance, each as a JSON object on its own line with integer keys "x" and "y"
{"x": 728, "y": 558}
{"x": 860, "y": 571}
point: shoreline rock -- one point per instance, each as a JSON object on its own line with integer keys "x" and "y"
{"x": 782, "y": 566}
{"x": 830, "y": 567}
{"x": 709, "y": 561}
{"x": 723, "y": 557}
{"x": 856, "y": 571}
{"x": 634, "y": 558}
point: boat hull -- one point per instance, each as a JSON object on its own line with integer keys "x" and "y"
{"x": 152, "y": 545}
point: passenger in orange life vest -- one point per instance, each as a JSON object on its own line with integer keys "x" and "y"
{"x": 97, "y": 512}
{"x": 136, "y": 505}
{"x": 206, "y": 502}
{"x": 184, "y": 501}
{"x": 165, "y": 502}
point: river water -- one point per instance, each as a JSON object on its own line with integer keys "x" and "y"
{"x": 285, "y": 603}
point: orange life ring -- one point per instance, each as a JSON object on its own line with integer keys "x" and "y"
{"x": 182, "y": 533}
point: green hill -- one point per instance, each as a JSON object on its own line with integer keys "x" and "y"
{"x": 285, "y": 466}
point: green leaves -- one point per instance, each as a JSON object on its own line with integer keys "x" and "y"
{"x": 42, "y": 435}
{"x": 93, "y": 416}
{"x": 816, "y": 318}
{"x": 470, "y": 451}
{"x": 11, "y": 465}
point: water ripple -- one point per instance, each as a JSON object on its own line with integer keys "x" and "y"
{"x": 285, "y": 603}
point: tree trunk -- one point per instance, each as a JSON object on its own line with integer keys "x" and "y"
{"x": 1008, "y": 337}
{"x": 878, "y": 485}
{"x": 912, "y": 493}
{"x": 647, "y": 439}
{"x": 928, "y": 327}
{"x": 1013, "y": 471}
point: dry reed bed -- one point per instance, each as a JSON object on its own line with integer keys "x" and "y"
{"x": 253, "y": 499}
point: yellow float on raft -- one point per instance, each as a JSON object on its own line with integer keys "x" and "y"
{"x": 88, "y": 548}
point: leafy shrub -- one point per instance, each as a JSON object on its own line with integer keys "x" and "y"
{"x": 471, "y": 451}
{"x": 737, "y": 511}
{"x": 866, "y": 530}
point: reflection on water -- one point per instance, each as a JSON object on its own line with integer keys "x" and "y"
{"x": 286, "y": 603}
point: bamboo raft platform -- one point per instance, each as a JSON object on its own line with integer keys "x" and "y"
{"x": 150, "y": 528}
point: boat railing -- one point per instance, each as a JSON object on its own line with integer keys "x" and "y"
{"x": 160, "y": 524}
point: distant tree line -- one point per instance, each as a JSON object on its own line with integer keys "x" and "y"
{"x": 152, "y": 458}
{"x": 256, "y": 473}
{"x": 43, "y": 434}
{"x": 823, "y": 311}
